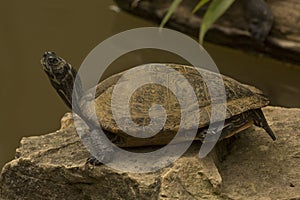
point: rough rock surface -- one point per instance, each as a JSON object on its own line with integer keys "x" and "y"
{"x": 53, "y": 166}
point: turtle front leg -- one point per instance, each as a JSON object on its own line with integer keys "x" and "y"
{"x": 260, "y": 18}
{"x": 102, "y": 152}
{"x": 96, "y": 142}
{"x": 93, "y": 161}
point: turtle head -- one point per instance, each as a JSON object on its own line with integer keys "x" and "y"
{"x": 55, "y": 67}
{"x": 261, "y": 27}
{"x": 61, "y": 75}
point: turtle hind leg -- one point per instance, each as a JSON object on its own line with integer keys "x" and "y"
{"x": 260, "y": 121}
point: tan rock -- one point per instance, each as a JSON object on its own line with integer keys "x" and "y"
{"x": 53, "y": 166}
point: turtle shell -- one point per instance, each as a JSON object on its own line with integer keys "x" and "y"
{"x": 240, "y": 98}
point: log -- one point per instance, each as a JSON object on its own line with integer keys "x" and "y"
{"x": 283, "y": 42}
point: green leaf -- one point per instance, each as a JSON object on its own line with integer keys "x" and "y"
{"x": 199, "y": 5}
{"x": 171, "y": 10}
{"x": 214, "y": 11}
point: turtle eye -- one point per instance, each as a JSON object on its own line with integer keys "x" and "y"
{"x": 52, "y": 61}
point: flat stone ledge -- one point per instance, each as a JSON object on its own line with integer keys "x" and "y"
{"x": 53, "y": 166}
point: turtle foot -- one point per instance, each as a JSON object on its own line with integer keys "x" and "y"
{"x": 96, "y": 162}
{"x": 93, "y": 161}
{"x": 101, "y": 158}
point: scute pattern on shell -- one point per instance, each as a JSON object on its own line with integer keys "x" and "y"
{"x": 240, "y": 98}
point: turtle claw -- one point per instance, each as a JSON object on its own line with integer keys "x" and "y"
{"x": 101, "y": 159}
{"x": 93, "y": 161}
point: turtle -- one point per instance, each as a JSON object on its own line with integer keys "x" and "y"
{"x": 259, "y": 18}
{"x": 244, "y": 105}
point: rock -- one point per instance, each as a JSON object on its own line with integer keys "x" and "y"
{"x": 53, "y": 166}
{"x": 258, "y": 168}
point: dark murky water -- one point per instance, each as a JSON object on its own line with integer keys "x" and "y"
{"x": 29, "y": 106}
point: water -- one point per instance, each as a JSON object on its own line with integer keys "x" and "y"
{"x": 29, "y": 105}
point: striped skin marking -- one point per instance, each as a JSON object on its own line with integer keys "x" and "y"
{"x": 258, "y": 118}
{"x": 63, "y": 95}
{"x": 243, "y": 121}
{"x": 244, "y": 127}
{"x": 237, "y": 124}
{"x": 62, "y": 78}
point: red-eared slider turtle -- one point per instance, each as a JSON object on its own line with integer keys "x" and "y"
{"x": 244, "y": 104}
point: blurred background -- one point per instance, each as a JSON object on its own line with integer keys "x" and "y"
{"x": 30, "y": 106}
